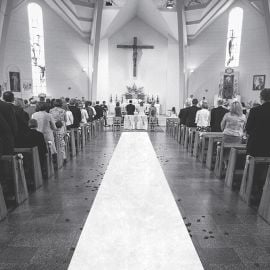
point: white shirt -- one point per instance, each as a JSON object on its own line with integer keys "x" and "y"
{"x": 70, "y": 118}
{"x": 94, "y": 110}
{"x": 202, "y": 118}
{"x": 85, "y": 116}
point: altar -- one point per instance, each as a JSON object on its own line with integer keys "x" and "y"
{"x": 136, "y": 122}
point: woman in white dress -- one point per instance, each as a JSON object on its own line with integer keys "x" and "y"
{"x": 142, "y": 119}
{"x": 46, "y": 124}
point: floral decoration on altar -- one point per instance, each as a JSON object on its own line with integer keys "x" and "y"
{"x": 134, "y": 92}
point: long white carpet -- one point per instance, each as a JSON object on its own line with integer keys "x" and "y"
{"x": 134, "y": 223}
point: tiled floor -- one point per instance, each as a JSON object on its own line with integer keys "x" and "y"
{"x": 43, "y": 232}
{"x": 225, "y": 231}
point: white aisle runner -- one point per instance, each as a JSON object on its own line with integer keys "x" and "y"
{"x": 134, "y": 223}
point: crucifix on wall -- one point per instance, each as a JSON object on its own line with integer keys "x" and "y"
{"x": 135, "y": 48}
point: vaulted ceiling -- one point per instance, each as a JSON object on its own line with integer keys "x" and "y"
{"x": 198, "y": 13}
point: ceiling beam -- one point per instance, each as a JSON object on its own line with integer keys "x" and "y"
{"x": 82, "y": 3}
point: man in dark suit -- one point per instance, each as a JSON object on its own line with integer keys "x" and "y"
{"x": 258, "y": 127}
{"x": 6, "y": 137}
{"x": 130, "y": 108}
{"x": 191, "y": 113}
{"x": 217, "y": 115}
{"x": 183, "y": 114}
{"x": 36, "y": 138}
{"x": 8, "y": 114}
{"x": 99, "y": 111}
{"x": 21, "y": 120}
{"x": 76, "y": 112}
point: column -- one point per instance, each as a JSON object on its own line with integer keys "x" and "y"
{"x": 267, "y": 18}
{"x": 97, "y": 29}
{"x": 5, "y": 11}
{"x": 181, "y": 40}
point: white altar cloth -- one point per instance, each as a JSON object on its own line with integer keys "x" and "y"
{"x": 134, "y": 223}
{"x": 136, "y": 121}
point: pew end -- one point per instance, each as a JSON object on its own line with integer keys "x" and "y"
{"x": 32, "y": 167}
{"x": 13, "y": 180}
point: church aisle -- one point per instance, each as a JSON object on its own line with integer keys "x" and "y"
{"x": 134, "y": 222}
{"x": 226, "y": 232}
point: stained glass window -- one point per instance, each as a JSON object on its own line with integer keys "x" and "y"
{"x": 37, "y": 48}
{"x": 234, "y": 37}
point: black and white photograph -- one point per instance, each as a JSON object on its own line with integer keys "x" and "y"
{"x": 258, "y": 82}
{"x": 135, "y": 135}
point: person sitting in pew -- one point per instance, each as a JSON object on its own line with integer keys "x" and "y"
{"x": 183, "y": 114}
{"x": 77, "y": 116}
{"x": 46, "y": 124}
{"x": 21, "y": 138}
{"x": 202, "y": 118}
{"x": 216, "y": 116}
{"x": 258, "y": 127}
{"x": 191, "y": 114}
{"x": 6, "y": 137}
{"x": 8, "y": 113}
{"x": 233, "y": 124}
{"x": 37, "y": 139}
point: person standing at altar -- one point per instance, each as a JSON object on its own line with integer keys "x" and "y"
{"x": 157, "y": 105}
{"x": 117, "y": 110}
{"x": 130, "y": 108}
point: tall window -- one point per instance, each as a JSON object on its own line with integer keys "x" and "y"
{"x": 234, "y": 37}
{"x": 37, "y": 48}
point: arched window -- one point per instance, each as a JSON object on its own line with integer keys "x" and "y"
{"x": 234, "y": 37}
{"x": 37, "y": 48}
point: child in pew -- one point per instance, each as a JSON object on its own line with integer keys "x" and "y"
{"x": 60, "y": 139}
{"x": 36, "y": 138}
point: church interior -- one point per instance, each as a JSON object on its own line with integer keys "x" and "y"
{"x": 134, "y": 134}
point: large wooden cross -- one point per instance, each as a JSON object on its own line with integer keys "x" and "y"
{"x": 135, "y": 48}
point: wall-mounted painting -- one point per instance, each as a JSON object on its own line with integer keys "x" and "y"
{"x": 258, "y": 82}
{"x": 15, "y": 81}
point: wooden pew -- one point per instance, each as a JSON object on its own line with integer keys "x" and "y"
{"x": 222, "y": 148}
{"x": 211, "y": 140}
{"x": 235, "y": 167}
{"x": 183, "y": 133}
{"x": 175, "y": 129}
{"x": 179, "y": 132}
{"x": 83, "y": 135}
{"x": 94, "y": 128}
{"x": 197, "y": 144}
{"x": 72, "y": 143}
{"x": 88, "y": 131}
{"x": 67, "y": 145}
{"x": 248, "y": 175}
{"x": 264, "y": 207}
{"x": 12, "y": 170}
{"x": 3, "y": 207}
{"x": 191, "y": 136}
{"x": 32, "y": 168}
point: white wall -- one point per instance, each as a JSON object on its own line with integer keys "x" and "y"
{"x": 157, "y": 69}
{"x": 66, "y": 53}
{"x": 206, "y": 55}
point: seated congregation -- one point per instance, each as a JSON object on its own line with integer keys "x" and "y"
{"x": 37, "y": 138}
{"x": 233, "y": 141}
